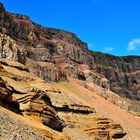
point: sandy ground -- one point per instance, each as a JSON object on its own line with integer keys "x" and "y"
{"x": 24, "y": 126}
{"x": 130, "y": 123}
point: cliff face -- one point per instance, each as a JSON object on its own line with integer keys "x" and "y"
{"x": 50, "y": 85}
{"x": 122, "y": 72}
{"x": 55, "y": 55}
{"x": 39, "y": 106}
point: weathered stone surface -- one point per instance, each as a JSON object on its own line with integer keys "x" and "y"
{"x": 122, "y": 72}
{"x": 5, "y": 93}
{"x": 11, "y": 50}
{"x": 20, "y": 87}
{"x": 64, "y": 103}
{"x": 35, "y": 99}
{"x": 82, "y": 121}
{"x": 91, "y": 127}
{"x": 55, "y": 55}
{"x": 123, "y": 75}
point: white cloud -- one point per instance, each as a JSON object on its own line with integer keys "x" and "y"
{"x": 134, "y": 45}
{"x": 109, "y": 49}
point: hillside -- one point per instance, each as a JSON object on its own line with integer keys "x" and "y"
{"x": 50, "y": 77}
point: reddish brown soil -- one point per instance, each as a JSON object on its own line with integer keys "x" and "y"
{"x": 130, "y": 123}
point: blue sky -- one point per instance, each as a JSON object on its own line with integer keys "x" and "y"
{"x": 110, "y": 26}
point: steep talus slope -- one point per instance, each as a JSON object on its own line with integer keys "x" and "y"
{"x": 106, "y": 108}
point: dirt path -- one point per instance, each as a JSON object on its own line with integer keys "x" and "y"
{"x": 130, "y": 123}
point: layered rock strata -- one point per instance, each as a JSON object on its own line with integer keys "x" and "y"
{"x": 34, "y": 99}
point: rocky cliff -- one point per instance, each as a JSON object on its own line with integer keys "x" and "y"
{"x": 28, "y": 50}
{"x": 55, "y": 55}
{"x": 41, "y": 103}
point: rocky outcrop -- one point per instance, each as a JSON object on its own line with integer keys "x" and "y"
{"x": 42, "y": 102}
{"x": 92, "y": 127}
{"x": 19, "y": 89}
{"x": 64, "y": 103}
{"x": 36, "y": 43}
{"x": 55, "y": 55}
{"x": 122, "y": 74}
